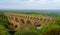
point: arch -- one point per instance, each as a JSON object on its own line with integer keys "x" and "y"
{"x": 37, "y": 18}
{"x": 52, "y": 20}
{"x": 44, "y": 19}
{"x": 16, "y": 26}
{"x": 41, "y": 19}
{"x": 31, "y": 17}
{"x": 28, "y": 17}
{"x": 48, "y": 20}
{"x": 28, "y": 23}
{"x": 10, "y": 23}
{"x": 22, "y": 21}
{"x": 9, "y": 17}
{"x": 23, "y": 16}
{"x": 16, "y": 19}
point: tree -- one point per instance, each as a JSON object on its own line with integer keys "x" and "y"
{"x": 50, "y": 29}
{"x": 3, "y": 31}
{"x": 57, "y": 20}
{"x": 27, "y": 32}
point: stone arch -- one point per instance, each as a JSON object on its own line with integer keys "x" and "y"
{"x": 10, "y": 17}
{"x": 22, "y": 21}
{"x": 28, "y": 17}
{"x": 41, "y": 19}
{"x": 31, "y": 17}
{"x": 44, "y": 19}
{"x": 37, "y": 25}
{"x": 11, "y": 24}
{"x": 16, "y": 26}
{"x": 16, "y": 19}
{"x": 38, "y": 18}
{"x": 28, "y": 21}
{"x": 28, "y": 24}
{"x": 34, "y": 18}
{"x": 48, "y": 20}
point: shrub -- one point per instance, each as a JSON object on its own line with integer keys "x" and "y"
{"x": 3, "y": 31}
{"x": 57, "y": 20}
{"x": 50, "y": 29}
{"x": 27, "y": 32}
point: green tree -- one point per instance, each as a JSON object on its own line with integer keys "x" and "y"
{"x": 50, "y": 29}
{"x": 57, "y": 20}
{"x": 27, "y": 32}
{"x": 3, "y": 31}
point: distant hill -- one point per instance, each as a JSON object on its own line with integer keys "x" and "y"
{"x": 52, "y": 13}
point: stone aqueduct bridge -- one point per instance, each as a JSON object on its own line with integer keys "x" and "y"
{"x": 26, "y": 21}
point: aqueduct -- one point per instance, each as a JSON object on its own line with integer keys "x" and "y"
{"x": 26, "y": 21}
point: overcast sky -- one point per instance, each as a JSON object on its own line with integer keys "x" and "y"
{"x": 29, "y": 4}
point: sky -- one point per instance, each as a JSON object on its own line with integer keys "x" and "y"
{"x": 30, "y": 4}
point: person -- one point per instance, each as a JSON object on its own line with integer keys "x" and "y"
{"x": 12, "y": 32}
{"x": 38, "y": 26}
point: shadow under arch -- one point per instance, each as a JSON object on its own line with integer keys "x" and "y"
{"x": 22, "y": 21}
{"x": 16, "y": 19}
{"x": 28, "y": 24}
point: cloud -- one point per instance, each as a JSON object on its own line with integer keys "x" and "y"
{"x": 29, "y": 4}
